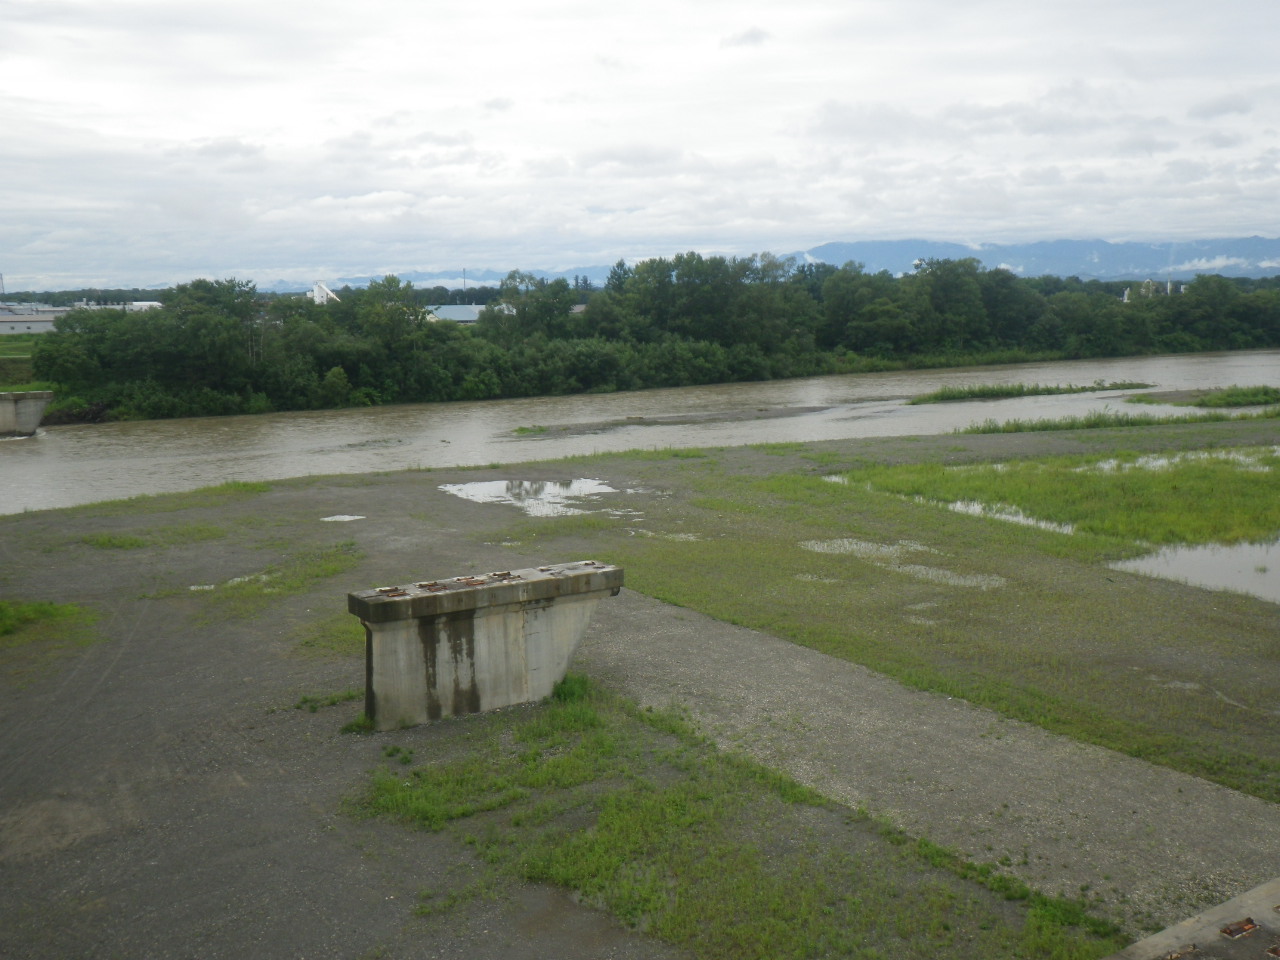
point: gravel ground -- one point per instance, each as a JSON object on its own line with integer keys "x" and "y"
{"x": 159, "y": 798}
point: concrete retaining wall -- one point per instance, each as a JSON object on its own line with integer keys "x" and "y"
{"x": 20, "y": 413}
{"x": 445, "y": 648}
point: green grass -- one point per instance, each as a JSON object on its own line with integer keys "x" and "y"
{"x": 783, "y": 449}
{"x": 1027, "y": 622}
{"x": 335, "y": 637}
{"x": 144, "y": 504}
{"x": 1006, "y": 391}
{"x": 17, "y": 344}
{"x": 157, "y": 537}
{"x": 536, "y": 428}
{"x": 1240, "y": 397}
{"x": 1093, "y": 421}
{"x": 637, "y": 815}
{"x": 313, "y": 702}
{"x": 34, "y": 635}
{"x": 1225, "y": 496}
{"x": 26, "y": 386}
{"x": 297, "y": 573}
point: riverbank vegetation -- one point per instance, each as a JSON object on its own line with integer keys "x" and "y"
{"x": 218, "y": 347}
{"x": 1108, "y": 418}
{"x": 1008, "y": 391}
{"x": 641, "y": 816}
{"x": 1027, "y": 621}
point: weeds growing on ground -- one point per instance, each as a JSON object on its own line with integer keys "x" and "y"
{"x": 639, "y": 816}
{"x": 245, "y": 596}
{"x": 335, "y": 637}
{"x": 157, "y": 537}
{"x": 1007, "y": 391}
{"x": 1025, "y": 621}
{"x": 35, "y": 634}
{"x": 1240, "y": 397}
{"x": 148, "y": 503}
{"x": 313, "y": 703}
{"x": 1107, "y": 418}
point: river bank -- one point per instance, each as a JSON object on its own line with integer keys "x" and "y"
{"x": 161, "y": 797}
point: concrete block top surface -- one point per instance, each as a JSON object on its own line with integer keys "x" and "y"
{"x": 430, "y": 598}
{"x": 27, "y": 395}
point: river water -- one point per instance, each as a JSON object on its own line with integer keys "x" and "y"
{"x": 64, "y": 466}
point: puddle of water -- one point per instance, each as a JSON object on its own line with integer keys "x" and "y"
{"x": 1246, "y": 459}
{"x": 1252, "y": 568}
{"x": 340, "y": 518}
{"x": 867, "y": 549}
{"x": 890, "y": 557}
{"x": 537, "y": 498}
{"x": 976, "y": 508}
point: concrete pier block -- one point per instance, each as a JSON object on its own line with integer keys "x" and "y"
{"x": 442, "y": 648}
{"x": 20, "y": 412}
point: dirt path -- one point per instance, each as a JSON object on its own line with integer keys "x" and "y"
{"x": 159, "y": 797}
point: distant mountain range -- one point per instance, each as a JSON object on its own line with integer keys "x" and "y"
{"x": 1086, "y": 259}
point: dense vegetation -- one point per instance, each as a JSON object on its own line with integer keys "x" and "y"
{"x": 219, "y": 347}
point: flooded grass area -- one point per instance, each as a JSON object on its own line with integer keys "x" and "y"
{"x": 537, "y": 498}
{"x": 1007, "y": 391}
{"x": 1030, "y": 622}
{"x": 1220, "y": 496}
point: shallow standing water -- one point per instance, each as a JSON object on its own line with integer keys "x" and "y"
{"x": 64, "y": 466}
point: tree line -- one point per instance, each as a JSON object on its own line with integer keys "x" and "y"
{"x": 220, "y": 347}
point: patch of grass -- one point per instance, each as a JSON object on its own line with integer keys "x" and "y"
{"x": 313, "y": 703}
{"x": 778, "y": 449}
{"x": 537, "y": 529}
{"x": 35, "y": 634}
{"x": 1240, "y": 397}
{"x": 17, "y": 344}
{"x": 24, "y": 387}
{"x": 536, "y": 428}
{"x": 708, "y": 851}
{"x": 158, "y": 537}
{"x": 246, "y": 596}
{"x": 1006, "y": 391}
{"x": 115, "y": 541}
{"x": 336, "y": 637}
{"x": 360, "y": 725}
{"x": 1222, "y": 496}
{"x": 1107, "y": 418}
{"x": 216, "y": 496}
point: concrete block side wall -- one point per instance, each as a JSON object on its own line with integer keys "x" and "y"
{"x": 427, "y": 667}
{"x": 20, "y": 413}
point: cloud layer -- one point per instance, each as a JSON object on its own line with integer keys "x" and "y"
{"x": 151, "y": 141}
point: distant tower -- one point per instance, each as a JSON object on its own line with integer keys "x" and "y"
{"x": 322, "y": 294}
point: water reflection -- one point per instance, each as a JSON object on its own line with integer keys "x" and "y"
{"x": 1252, "y": 568}
{"x": 537, "y": 498}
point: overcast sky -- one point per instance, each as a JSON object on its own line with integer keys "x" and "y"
{"x": 154, "y": 141}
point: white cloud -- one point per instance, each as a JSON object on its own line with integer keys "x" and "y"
{"x": 155, "y": 140}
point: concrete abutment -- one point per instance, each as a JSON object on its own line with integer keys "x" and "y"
{"x": 21, "y": 412}
{"x": 444, "y": 648}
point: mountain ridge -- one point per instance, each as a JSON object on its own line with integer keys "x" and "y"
{"x": 1086, "y": 259}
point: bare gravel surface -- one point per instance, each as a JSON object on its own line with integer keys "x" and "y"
{"x": 159, "y": 797}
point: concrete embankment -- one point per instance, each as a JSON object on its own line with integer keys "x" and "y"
{"x": 20, "y": 413}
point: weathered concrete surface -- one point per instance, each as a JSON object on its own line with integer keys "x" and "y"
{"x": 446, "y": 648}
{"x": 20, "y": 413}
{"x": 1201, "y": 938}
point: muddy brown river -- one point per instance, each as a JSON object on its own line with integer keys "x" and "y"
{"x": 64, "y": 466}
